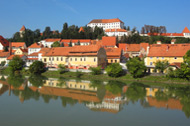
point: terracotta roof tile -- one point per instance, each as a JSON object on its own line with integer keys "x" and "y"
{"x": 186, "y": 30}
{"x": 35, "y": 45}
{"x": 105, "y": 20}
{"x": 81, "y": 29}
{"x": 168, "y": 50}
{"x": 11, "y": 56}
{"x": 53, "y": 40}
{"x": 109, "y": 41}
{"x": 113, "y": 52}
{"x": 75, "y": 40}
{"x": 23, "y": 28}
{"x": 3, "y": 41}
{"x": 17, "y": 44}
{"x": 4, "y": 54}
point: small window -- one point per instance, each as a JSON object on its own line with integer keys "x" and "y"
{"x": 175, "y": 57}
{"x": 111, "y": 61}
{"x": 84, "y": 59}
{"x": 94, "y": 59}
{"x": 49, "y": 58}
{"x": 57, "y": 58}
{"x": 70, "y": 59}
{"x": 75, "y": 59}
{"x": 61, "y": 58}
{"x": 151, "y": 63}
{"x": 70, "y": 85}
{"x": 44, "y": 59}
{"x": 80, "y": 59}
{"x": 66, "y": 60}
{"x": 150, "y": 57}
{"x": 162, "y": 57}
{"x": 115, "y": 61}
{"x": 52, "y": 59}
{"x": 157, "y": 57}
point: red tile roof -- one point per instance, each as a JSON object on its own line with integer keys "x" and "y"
{"x": 113, "y": 52}
{"x": 44, "y": 51}
{"x": 115, "y": 30}
{"x": 106, "y": 20}
{"x": 186, "y": 30}
{"x": 3, "y": 41}
{"x": 123, "y": 46}
{"x": 76, "y": 50}
{"x": 75, "y": 40}
{"x": 11, "y": 56}
{"x": 23, "y": 28}
{"x": 52, "y": 40}
{"x": 24, "y": 50}
{"x": 109, "y": 41}
{"x": 81, "y": 29}
{"x": 34, "y": 54}
{"x": 17, "y": 44}
{"x": 176, "y": 64}
{"x": 32, "y": 58}
{"x": 168, "y": 50}
{"x": 4, "y": 54}
{"x": 35, "y": 45}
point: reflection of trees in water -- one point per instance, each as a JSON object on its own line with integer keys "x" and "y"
{"x": 68, "y": 101}
{"x": 115, "y": 87}
{"x": 136, "y": 91}
{"x": 183, "y": 93}
{"x": 15, "y": 80}
{"x": 101, "y": 91}
{"x": 37, "y": 80}
{"x": 160, "y": 95}
{"x": 27, "y": 94}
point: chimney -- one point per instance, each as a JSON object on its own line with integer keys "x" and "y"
{"x": 147, "y": 51}
{"x": 173, "y": 41}
{"x": 159, "y": 42}
{"x": 167, "y": 48}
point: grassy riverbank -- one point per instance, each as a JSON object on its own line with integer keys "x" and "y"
{"x": 127, "y": 77}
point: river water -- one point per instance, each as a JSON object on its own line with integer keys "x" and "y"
{"x": 41, "y": 101}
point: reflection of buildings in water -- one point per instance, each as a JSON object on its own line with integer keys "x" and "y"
{"x": 170, "y": 103}
{"x": 72, "y": 84}
{"x": 111, "y": 103}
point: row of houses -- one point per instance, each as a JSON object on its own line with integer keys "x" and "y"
{"x": 93, "y": 53}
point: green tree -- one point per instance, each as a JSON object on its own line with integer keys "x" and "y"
{"x": 136, "y": 67}
{"x": 3, "y": 63}
{"x": 161, "y": 65}
{"x": 16, "y": 64}
{"x": 37, "y": 67}
{"x": 114, "y": 70}
{"x": 55, "y": 44}
{"x": 96, "y": 70}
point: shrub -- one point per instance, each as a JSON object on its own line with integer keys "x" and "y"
{"x": 37, "y": 67}
{"x": 62, "y": 68}
{"x": 96, "y": 70}
{"x": 114, "y": 70}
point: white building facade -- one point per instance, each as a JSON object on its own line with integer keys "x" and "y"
{"x": 106, "y": 23}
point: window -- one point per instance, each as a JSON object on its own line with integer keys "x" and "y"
{"x": 162, "y": 57}
{"x": 94, "y": 59}
{"x": 75, "y": 85}
{"x": 80, "y": 86}
{"x": 157, "y": 57}
{"x": 75, "y": 59}
{"x": 52, "y": 59}
{"x": 80, "y": 59}
{"x": 66, "y": 60}
{"x": 151, "y": 63}
{"x": 175, "y": 57}
{"x": 115, "y": 61}
{"x": 49, "y": 58}
{"x": 150, "y": 57}
{"x": 111, "y": 61}
{"x": 44, "y": 59}
{"x": 61, "y": 58}
{"x": 84, "y": 59}
{"x": 57, "y": 58}
{"x": 70, "y": 85}
{"x": 70, "y": 59}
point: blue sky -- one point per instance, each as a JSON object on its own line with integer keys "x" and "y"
{"x": 174, "y": 14}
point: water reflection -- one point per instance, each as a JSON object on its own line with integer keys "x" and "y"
{"x": 110, "y": 96}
